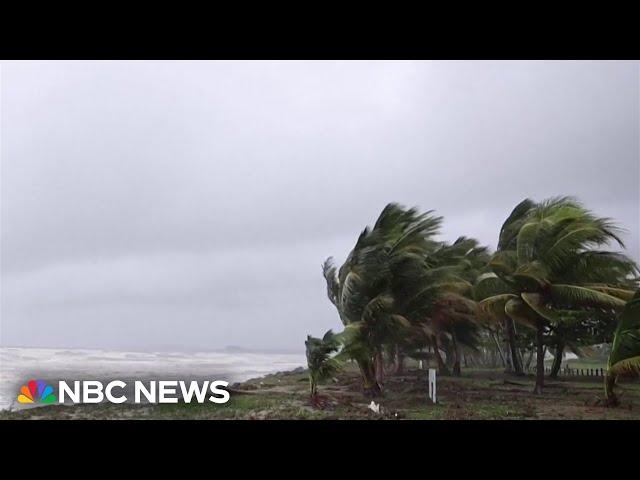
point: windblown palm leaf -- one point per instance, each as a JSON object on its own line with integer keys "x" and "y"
{"x": 625, "y": 351}
{"x": 624, "y": 358}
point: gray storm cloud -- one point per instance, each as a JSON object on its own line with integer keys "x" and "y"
{"x": 190, "y": 204}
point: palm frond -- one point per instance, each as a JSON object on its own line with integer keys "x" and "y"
{"x": 520, "y": 312}
{"x": 331, "y": 276}
{"x": 488, "y": 285}
{"x": 526, "y": 241}
{"x": 625, "y": 350}
{"x": 504, "y": 263}
{"x": 511, "y": 226}
{"x": 596, "y": 266}
{"x": 583, "y": 297}
{"x": 622, "y": 294}
{"x": 492, "y": 309}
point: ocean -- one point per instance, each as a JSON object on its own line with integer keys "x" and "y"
{"x": 18, "y": 365}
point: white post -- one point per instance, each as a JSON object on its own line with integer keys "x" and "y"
{"x": 432, "y": 384}
{"x": 420, "y": 364}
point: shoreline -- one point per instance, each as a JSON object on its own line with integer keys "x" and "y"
{"x": 19, "y": 365}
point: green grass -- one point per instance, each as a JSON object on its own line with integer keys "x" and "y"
{"x": 431, "y": 413}
{"x": 585, "y": 363}
{"x": 238, "y": 406}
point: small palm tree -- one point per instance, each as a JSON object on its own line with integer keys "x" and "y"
{"x": 624, "y": 358}
{"x": 322, "y": 365}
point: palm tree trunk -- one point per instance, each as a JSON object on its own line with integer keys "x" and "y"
{"x": 511, "y": 337}
{"x": 498, "y": 349}
{"x": 609, "y": 384}
{"x": 443, "y": 370}
{"x": 557, "y": 360}
{"x": 312, "y": 387}
{"x": 379, "y": 369}
{"x": 449, "y": 356}
{"x": 399, "y": 368}
{"x": 529, "y": 358}
{"x": 521, "y": 357}
{"x": 456, "y": 353}
{"x": 539, "y": 358}
{"x": 370, "y": 386}
{"x": 506, "y": 348}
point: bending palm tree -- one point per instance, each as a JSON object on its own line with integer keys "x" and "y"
{"x": 399, "y": 288}
{"x": 454, "y": 318}
{"x": 546, "y": 271}
{"x": 385, "y": 290}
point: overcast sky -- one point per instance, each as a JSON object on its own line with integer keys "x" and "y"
{"x": 189, "y": 205}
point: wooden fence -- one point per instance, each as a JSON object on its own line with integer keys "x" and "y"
{"x": 575, "y": 372}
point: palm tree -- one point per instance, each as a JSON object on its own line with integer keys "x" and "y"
{"x": 546, "y": 271}
{"x": 452, "y": 323}
{"x": 455, "y": 312}
{"x": 488, "y": 285}
{"x": 385, "y": 290}
{"x": 319, "y": 360}
{"x": 399, "y": 290}
{"x": 624, "y": 358}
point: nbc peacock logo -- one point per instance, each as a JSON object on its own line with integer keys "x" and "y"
{"x": 36, "y": 391}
